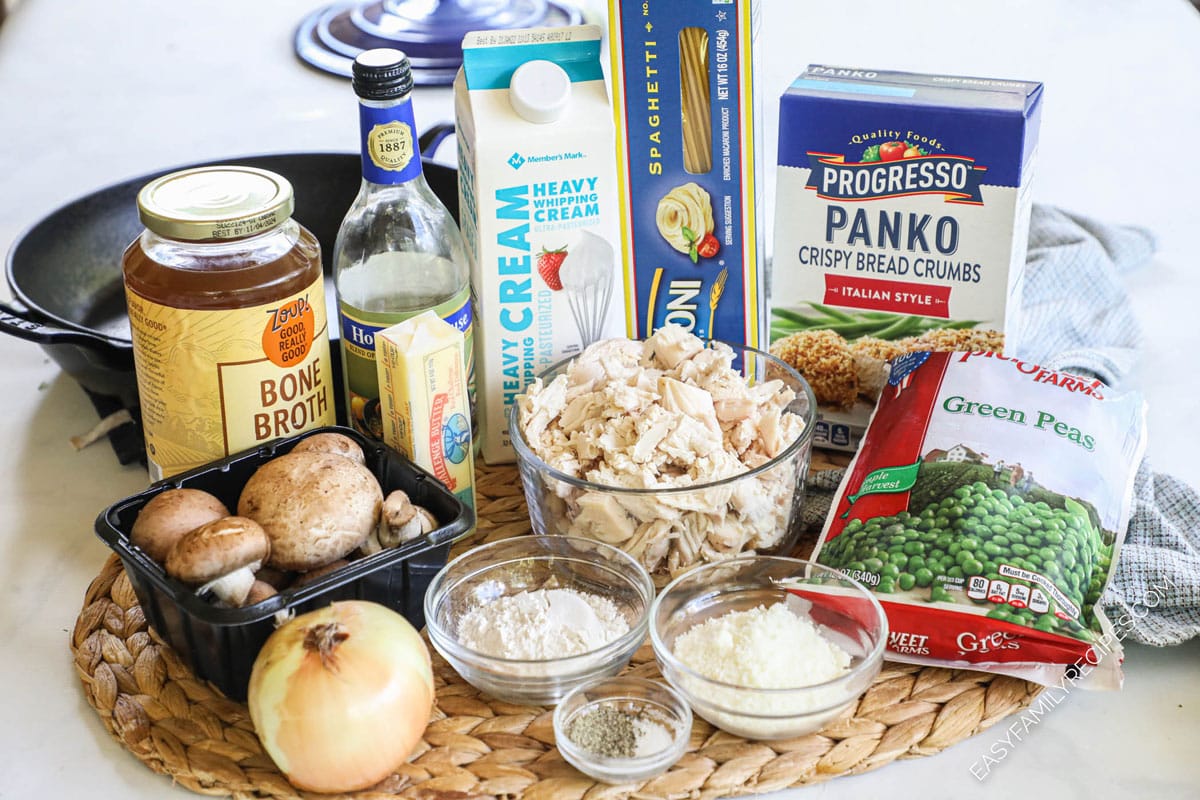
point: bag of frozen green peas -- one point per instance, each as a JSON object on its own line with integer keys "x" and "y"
{"x": 986, "y": 508}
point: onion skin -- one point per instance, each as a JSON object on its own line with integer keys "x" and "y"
{"x": 341, "y": 696}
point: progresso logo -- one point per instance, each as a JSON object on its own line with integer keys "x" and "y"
{"x": 957, "y": 178}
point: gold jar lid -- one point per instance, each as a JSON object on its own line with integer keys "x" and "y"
{"x": 215, "y": 203}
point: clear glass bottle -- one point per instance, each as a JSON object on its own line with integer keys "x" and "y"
{"x": 399, "y": 251}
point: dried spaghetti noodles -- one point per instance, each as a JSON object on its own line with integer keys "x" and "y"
{"x": 696, "y": 103}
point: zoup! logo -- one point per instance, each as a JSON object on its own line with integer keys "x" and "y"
{"x": 515, "y": 161}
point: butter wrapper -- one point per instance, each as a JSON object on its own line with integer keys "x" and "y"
{"x": 423, "y": 399}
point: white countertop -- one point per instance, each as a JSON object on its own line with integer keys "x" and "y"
{"x": 93, "y": 93}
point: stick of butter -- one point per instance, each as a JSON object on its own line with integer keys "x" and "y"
{"x": 423, "y": 399}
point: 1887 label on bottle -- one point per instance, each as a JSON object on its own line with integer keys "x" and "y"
{"x": 389, "y": 145}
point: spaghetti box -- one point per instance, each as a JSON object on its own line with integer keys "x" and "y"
{"x": 683, "y": 76}
{"x": 221, "y": 643}
{"x": 901, "y": 223}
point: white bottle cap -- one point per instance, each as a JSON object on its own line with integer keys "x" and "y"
{"x": 539, "y": 91}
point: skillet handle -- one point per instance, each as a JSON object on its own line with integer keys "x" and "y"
{"x": 19, "y": 321}
{"x": 432, "y": 138}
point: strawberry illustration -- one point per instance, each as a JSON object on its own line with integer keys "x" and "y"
{"x": 548, "y": 264}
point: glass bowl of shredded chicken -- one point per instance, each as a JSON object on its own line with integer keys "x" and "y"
{"x": 530, "y": 618}
{"x": 677, "y": 450}
{"x": 766, "y": 647}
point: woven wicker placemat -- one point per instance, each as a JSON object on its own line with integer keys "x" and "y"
{"x": 479, "y": 747}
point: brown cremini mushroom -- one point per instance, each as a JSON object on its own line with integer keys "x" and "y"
{"x": 277, "y": 578}
{"x": 316, "y": 507}
{"x": 305, "y": 578}
{"x": 399, "y": 521}
{"x": 429, "y": 522}
{"x": 402, "y": 521}
{"x": 169, "y": 515}
{"x": 221, "y": 556}
{"x": 371, "y": 545}
{"x": 259, "y": 591}
{"x": 336, "y": 443}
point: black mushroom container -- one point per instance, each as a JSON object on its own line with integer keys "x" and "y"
{"x": 219, "y": 643}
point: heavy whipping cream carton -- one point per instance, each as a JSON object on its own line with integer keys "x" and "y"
{"x": 901, "y": 224}
{"x": 538, "y": 202}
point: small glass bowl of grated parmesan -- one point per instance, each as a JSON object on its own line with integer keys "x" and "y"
{"x": 623, "y": 729}
{"x": 530, "y": 618}
{"x": 768, "y": 647}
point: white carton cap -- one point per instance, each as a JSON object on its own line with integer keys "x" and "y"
{"x": 539, "y": 91}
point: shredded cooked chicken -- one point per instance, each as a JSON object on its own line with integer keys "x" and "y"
{"x": 667, "y": 413}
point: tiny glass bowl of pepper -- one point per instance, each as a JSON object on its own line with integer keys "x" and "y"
{"x": 767, "y": 647}
{"x": 530, "y": 618}
{"x": 620, "y": 730}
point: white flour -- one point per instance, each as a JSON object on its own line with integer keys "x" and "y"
{"x": 542, "y": 624}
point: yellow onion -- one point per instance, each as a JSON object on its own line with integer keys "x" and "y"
{"x": 340, "y": 696}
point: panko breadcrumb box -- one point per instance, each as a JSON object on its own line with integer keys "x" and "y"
{"x": 901, "y": 224}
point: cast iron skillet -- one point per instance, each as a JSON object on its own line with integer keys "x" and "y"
{"x": 65, "y": 271}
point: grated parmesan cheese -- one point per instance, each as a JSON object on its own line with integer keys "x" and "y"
{"x": 767, "y": 647}
{"x": 764, "y": 648}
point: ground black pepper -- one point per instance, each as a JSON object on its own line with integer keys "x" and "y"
{"x": 605, "y": 731}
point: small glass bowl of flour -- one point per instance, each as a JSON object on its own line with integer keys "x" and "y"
{"x": 766, "y": 647}
{"x": 530, "y": 618}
